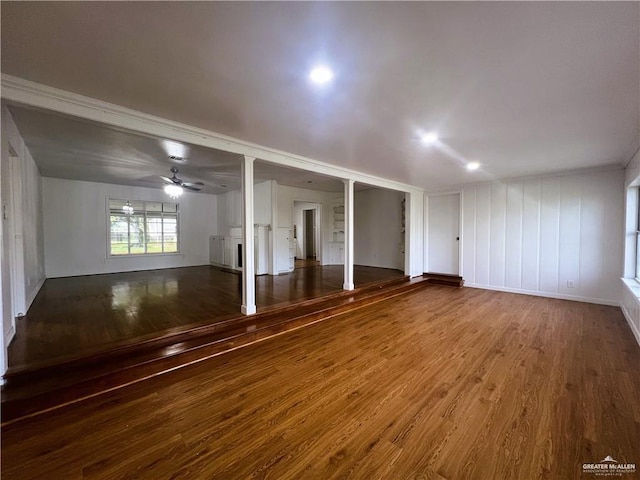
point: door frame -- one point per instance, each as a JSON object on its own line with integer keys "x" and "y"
{"x": 318, "y": 207}
{"x": 460, "y": 194}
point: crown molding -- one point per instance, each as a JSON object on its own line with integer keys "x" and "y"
{"x": 20, "y": 91}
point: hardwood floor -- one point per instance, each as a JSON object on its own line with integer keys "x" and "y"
{"x": 442, "y": 383}
{"x": 90, "y": 313}
{"x": 306, "y": 262}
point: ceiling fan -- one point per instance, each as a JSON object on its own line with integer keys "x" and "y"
{"x": 175, "y": 186}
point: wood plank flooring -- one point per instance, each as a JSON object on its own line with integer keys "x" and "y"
{"x": 442, "y": 383}
{"x": 75, "y": 315}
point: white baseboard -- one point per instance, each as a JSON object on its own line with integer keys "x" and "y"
{"x": 9, "y": 335}
{"x": 35, "y": 294}
{"x": 629, "y": 319}
{"x": 574, "y": 298}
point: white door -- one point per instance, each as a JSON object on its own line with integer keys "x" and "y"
{"x": 444, "y": 233}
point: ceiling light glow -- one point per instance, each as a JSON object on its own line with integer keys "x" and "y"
{"x": 127, "y": 209}
{"x": 321, "y": 75}
{"x": 174, "y": 191}
{"x": 473, "y": 166}
{"x": 429, "y": 138}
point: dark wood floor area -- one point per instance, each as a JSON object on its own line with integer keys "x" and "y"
{"x": 75, "y": 315}
{"x": 306, "y": 262}
{"x": 442, "y": 383}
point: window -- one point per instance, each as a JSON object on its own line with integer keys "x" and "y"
{"x": 152, "y": 227}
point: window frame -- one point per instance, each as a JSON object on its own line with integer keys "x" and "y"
{"x": 145, "y": 254}
{"x": 637, "y": 236}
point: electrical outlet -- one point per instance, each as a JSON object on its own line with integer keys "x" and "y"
{"x": 570, "y": 284}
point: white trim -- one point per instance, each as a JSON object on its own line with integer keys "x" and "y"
{"x": 634, "y": 329}
{"x": 573, "y": 298}
{"x": 248, "y": 232}
{"x": 35, "y": 293}
{"x": 18, "y": 90}
{"x": 9, "y": 337}
{"x": 633, "y": 286}
{"x": 349, "y": 198}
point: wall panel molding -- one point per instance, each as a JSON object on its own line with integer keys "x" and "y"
{"x": 560, "y": 236}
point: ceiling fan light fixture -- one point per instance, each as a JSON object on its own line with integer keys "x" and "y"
{"x": 127, "y": 209}
{"x": 174, "y": 191}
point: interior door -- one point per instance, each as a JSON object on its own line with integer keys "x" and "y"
{"x": 444, "y": 234}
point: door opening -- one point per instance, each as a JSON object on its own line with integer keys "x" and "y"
{"x": 309, "y": 221}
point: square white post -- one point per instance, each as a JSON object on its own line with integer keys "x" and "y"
{"x": 248, "y": 253}
{"x": 348, "y": 235}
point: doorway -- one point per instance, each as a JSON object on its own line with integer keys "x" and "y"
{"x": 443, "y": 252}
{"x": 307, "y": 226}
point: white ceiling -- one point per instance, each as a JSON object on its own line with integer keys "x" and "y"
{"x": 523, "y": 87}
{"x": 76, "y": 149}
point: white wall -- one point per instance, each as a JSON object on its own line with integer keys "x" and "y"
{"x": 21, "y": 178}
{"x": 32, "y": 224}
{"x": 229, "y": 207}
{"x": 378, "y": 228}
{"x": 535, "y": 235}
{"x": 27, "y": 177}
{"x": 75, "y": 228}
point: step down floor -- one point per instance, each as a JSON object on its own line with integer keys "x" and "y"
{"x": 28, "y": 392}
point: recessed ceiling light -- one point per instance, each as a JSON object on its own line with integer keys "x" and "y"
{"x": 429, "y": 138}
{"x": 473, "y": 166}
{"x": 321, "y": 75}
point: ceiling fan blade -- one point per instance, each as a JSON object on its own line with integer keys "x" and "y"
{"x": 166, "y": 179}
{"x": 192, "y": 184}
{"x": 193, "y": 189}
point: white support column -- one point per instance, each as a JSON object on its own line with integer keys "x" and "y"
{"x": 273, "y": 251}
{"x": 414, "y": 233}
{"x": 348, "y": 235}
{"x": 248, "y": 253}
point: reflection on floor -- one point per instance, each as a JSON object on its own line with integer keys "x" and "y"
{"x": 85, "y": 314}
{"x": 306, "y": 262}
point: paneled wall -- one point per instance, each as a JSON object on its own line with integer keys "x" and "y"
{"x": 229, "y": 207}
{"x": 75, "y": 228}
{"x": 556, "y": 236}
